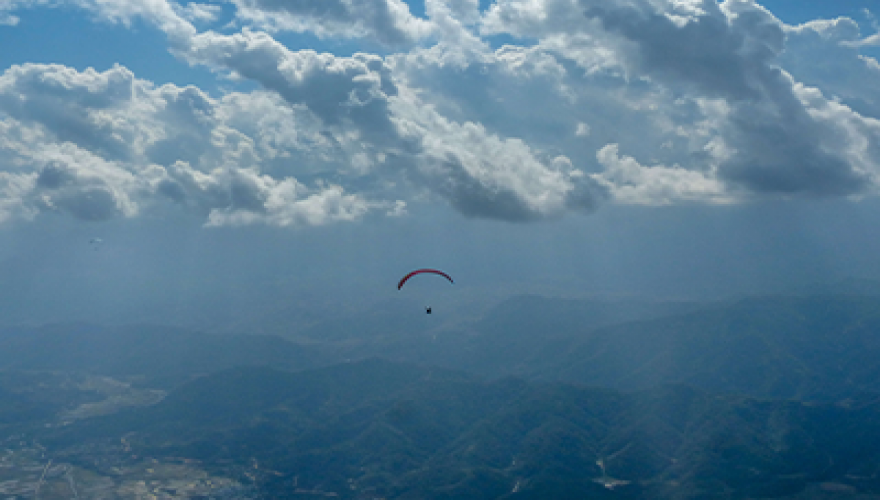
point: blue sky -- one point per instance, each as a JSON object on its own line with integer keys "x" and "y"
{"x": 797, "y": 12}
{"x": 667, "y": 148}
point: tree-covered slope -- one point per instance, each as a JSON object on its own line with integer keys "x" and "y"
{"x": 402, "y": 431}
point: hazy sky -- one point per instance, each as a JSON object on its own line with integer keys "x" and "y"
{"x": 246, "y": 152}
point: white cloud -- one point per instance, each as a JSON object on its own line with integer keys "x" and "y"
{"x": 775, "y": 144}
{"x": 723, "y": 99}
{"x": 7, "y": 19}
{"x": 261, "y": 199}
{"x": 452, "y": 22}
{"x": 631, "y": 183}
{"x": 166, "y": 15}
{"x": 9, "y": 6}
{"x": 197, "y": 12}
{"x": 386, "y": 21}
{"x": 397, "y": 210}
{"x": 76, "y": 182}
{"x": 101, "y": 112}
{"x": 466, "y": 12}
{"x": 169, "y": 16}
{"x": 118, "y": 146}
{"x": 339, "y": 91}
{"x": 99, "y": 145}
{"x": 484, "y": 175}
{"x": 840, "y": 30}
{"x": 480, "y": 173}
{"x": 14, "y": 188}
{"x": 827, "y": 54}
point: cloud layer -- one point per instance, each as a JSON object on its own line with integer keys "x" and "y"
{"x": 589, "y": 102}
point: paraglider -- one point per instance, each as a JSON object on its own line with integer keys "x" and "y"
{"x": 423, "y": 271}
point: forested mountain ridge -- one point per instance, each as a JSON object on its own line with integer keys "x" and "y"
{"x": 403, "y": 431}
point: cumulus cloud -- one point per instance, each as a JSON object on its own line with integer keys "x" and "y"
{"x": 386, "y": 21}
{"x": 484, "y": 175}
{"x": 453, "y": 23}
{"x": 774, "y": 141}
{"x": 338, "y": 90}
{"x": 78, "y": 183}
{"x": 100, "y": 145}
{"x": 167, "y": 15}
{"x": 836, "y": 43}
{"x": 14, "y": 188}
{"x": 515, "y": 92}
{"x": 632, "y": 183}
{"x": 637, "y": 101}
{"x": 78, "y": 107}
{"x": 480, "y": 173}
{"x": 289, "y": 203}
{"x": 244, "y": 196}
{"x": 719, "y": 49}
{"x": 197, "y": 12}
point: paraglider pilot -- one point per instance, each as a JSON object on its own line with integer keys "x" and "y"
{"x": 421, "y": 271}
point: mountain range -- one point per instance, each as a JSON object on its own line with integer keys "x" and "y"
{"x": 759, "y": 397}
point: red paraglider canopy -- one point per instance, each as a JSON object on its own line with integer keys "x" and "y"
{"x": 421, "y": 271}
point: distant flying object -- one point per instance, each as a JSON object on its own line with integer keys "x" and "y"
{"x": 96, "y": 242}
{"x": 423, "y": 271}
